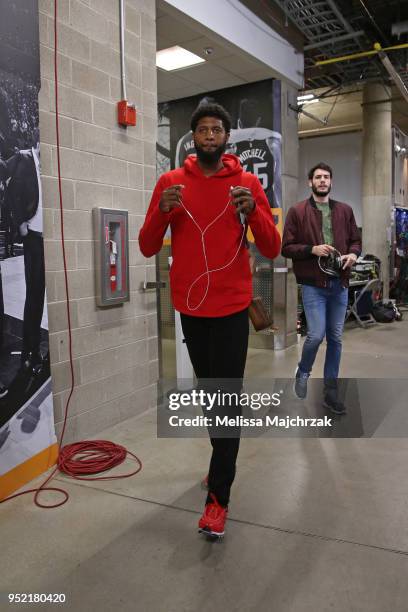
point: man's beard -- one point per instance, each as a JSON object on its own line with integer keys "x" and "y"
{"x": 210, "y": 157}
{"x": 319, "y": 193}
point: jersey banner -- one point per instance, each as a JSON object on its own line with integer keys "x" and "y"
{"x": 28, "y": 445}
{"x": 255, "y": 136}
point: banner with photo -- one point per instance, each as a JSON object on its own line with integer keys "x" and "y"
{"x": 255, "y": 136}
{"x": 28, "y": 444}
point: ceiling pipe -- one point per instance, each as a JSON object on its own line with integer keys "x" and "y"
{"x": 122, "y": 49}
{"x": 299, "y": 109}
{"x": 352, "y": 56}
{"x": 399, "y": 83}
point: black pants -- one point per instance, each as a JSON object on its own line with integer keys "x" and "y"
{"x": 35, "y": 292}
{"x": 218, "y": 350}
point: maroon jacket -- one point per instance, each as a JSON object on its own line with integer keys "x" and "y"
{"x": 303, "y": 230}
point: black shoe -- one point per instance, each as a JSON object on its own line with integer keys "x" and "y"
{"x": 30, "y": 418}
{"x": 335, "y": 407}
{"x": 3, "y": 391}
{"x": 27, "y": 375}
{"x": 31, "y": 361}
{"x": 300, "y": 384}
{"x": 331, "y": 400}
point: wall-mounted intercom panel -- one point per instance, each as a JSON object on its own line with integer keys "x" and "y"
{"x": 111, "y": 256}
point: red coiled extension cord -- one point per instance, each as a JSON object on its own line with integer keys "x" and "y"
{"x": 80, "y": 459}
{"x": 92, "y": 457}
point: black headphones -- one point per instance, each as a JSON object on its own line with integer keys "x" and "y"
{"x": 332, "y": 264}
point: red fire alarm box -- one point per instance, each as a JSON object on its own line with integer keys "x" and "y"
{"x": 126, "y": 113}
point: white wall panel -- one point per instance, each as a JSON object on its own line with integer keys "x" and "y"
{"x": 343, "y": 152}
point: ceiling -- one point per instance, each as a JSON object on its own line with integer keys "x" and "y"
{"x": 334, "y": 28}
{"x": 225, "y": 66}
{"x": 322, "y": 29}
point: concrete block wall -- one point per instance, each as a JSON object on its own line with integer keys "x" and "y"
{"x": 115, "y": 349}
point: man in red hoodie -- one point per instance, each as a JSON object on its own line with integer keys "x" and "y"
{"x": 208, "y": 203}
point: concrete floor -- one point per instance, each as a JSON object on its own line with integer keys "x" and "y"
{"x": 316, "y": 525}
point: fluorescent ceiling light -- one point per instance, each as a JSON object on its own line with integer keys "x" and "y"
{"x": 309, "y": 96}
{"x": 311, "y": 101}
{"x": 176, "y": 57}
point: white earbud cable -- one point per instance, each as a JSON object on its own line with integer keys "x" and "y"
{"x": 207, "y": 270}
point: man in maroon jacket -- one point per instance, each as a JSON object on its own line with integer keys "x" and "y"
{"x": 316, "y": 230}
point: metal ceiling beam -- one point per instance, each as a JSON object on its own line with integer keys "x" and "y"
{"x": 299, "y": 109}
{"x": 317, "y": 23}
{"x": 333, "y": 40}
{"x": 371, "y": 18}
{"x": 299, "y": 10}
{"x": 309, "y": 16}
{"x": 328, "y": 33}
{"x": 394, "y": 75}
{"x": 345, "y": 23}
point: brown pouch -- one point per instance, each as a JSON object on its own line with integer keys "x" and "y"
{"x": 260, "y": 317}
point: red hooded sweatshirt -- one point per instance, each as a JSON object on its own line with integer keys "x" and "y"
{"x": 225, "y": 289}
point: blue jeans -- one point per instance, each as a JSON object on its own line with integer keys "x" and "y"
{"x": 325, "y": 310}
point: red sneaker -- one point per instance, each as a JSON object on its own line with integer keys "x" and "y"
{"x": 213, "y": 520}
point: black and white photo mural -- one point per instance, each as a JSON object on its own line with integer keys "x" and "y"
{"x": 255, "y": 136}
{"x": 27, "y": 434}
